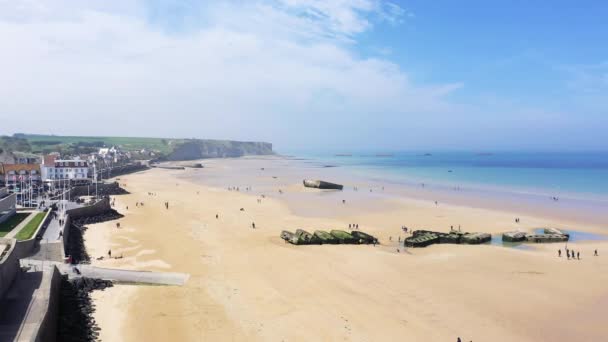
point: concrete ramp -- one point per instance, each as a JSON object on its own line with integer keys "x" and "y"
{"x": 113, "y": 274}
{"x": 125, "y": 276}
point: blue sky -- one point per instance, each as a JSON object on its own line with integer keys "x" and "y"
{"x": 385, "y": 75}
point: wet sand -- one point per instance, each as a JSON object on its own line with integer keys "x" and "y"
{"x": 247, "y": 284}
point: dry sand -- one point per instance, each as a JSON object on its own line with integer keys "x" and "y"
{"x": 248, "y": 285}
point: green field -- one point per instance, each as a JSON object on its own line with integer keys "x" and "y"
{"x": 10, "y": 224}
{"x": 30, "y": 228}
{"x": 45, "y": 143}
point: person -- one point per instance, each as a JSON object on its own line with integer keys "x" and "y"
{"x": 343, "y": 201}
{"x": 568, "y": 254}
{"x": 117, "y": 224}
{"x": 578, "y": 255}
{"x": 458, "y": 340}
{"x": 595, "y": 253}
{"x": 357, "y": 226}
{"x": 399, "y": 238}
{"x": 217, "y": 216}
{"x": 390, "y": 238}
{"x": 253, "y": 225}
{"x": 349, "y": 226}
{"x": 109, "y": 253}
{"x": 559, "y": 253}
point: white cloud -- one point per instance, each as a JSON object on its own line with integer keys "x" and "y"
{"x": 255, "y": 71}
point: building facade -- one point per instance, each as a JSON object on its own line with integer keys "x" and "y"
{"x": 54, "y": 169}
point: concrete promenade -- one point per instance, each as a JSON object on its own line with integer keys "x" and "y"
{"x": 27, "y": 307}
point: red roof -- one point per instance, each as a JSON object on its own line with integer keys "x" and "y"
{"x": 49, "y": 159}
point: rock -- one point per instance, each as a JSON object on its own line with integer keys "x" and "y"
{"x": 75, "y": 314}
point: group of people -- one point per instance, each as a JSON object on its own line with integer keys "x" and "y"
{"x": 517, "y": 220}
{"x": 236, "y": 188}
{"x": 167, "y": 205}
{"x": 570, "y": 254}
{"x": 139, "y": 204}
{"x": 353, "y": 226}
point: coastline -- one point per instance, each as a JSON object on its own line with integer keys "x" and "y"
{"x": 248, "y": 284}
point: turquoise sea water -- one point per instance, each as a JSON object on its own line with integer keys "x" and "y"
{"x": 576, "y": 175}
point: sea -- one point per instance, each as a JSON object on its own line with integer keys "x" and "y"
{"x": 553, "y": 174}
{"x": 572, "y": 184}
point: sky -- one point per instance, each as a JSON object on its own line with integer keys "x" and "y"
{"x": 311, "y": 74}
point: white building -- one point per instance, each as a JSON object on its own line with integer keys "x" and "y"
{"x": 53, "y": 169}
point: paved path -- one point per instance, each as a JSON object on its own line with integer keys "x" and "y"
{"x": 123, "y": 276}
{"x": 51, "y": 234}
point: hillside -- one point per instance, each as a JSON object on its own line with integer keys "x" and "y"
{"x": 164, "y": 148}
{"x": 200, "y": 149}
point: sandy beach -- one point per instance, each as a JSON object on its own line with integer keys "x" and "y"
{"x": 249, "y": 285}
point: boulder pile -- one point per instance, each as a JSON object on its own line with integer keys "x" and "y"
{"x": 76, "y": 322}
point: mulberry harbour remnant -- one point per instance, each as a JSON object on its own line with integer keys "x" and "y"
{"x": 302, "y": 237}
{"x": 319, "y": 184}
{"x": 548, "y": 235}
{"x": 423, "y": 238}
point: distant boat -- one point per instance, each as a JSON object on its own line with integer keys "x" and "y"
{"x": 343, "y": 155}
{"x": 427, "y": 155}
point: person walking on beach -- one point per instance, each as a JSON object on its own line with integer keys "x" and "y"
{"x": 578, "y": 255}
{"x": 253, "y": 225}
{"x": 217, "y": 216}
{"x": 568, "y": 253}
{"x": 595, "y": 253}
{"x": 559, "y": 253}
{"x": 109, "y": 253}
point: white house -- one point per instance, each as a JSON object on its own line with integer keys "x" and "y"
{"x": 53, "y": 169}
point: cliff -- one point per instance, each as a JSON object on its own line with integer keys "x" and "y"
{"x": 200, "y": 149}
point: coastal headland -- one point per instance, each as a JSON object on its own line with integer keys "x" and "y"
{"x": 247, "y": 284}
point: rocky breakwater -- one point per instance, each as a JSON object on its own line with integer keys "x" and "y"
{"x": 75, "y": 246}
{"x": 76, "y": 322}
{"x": 103, "y": 190}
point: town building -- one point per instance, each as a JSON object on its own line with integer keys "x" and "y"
{"x": 74, "y": 170}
